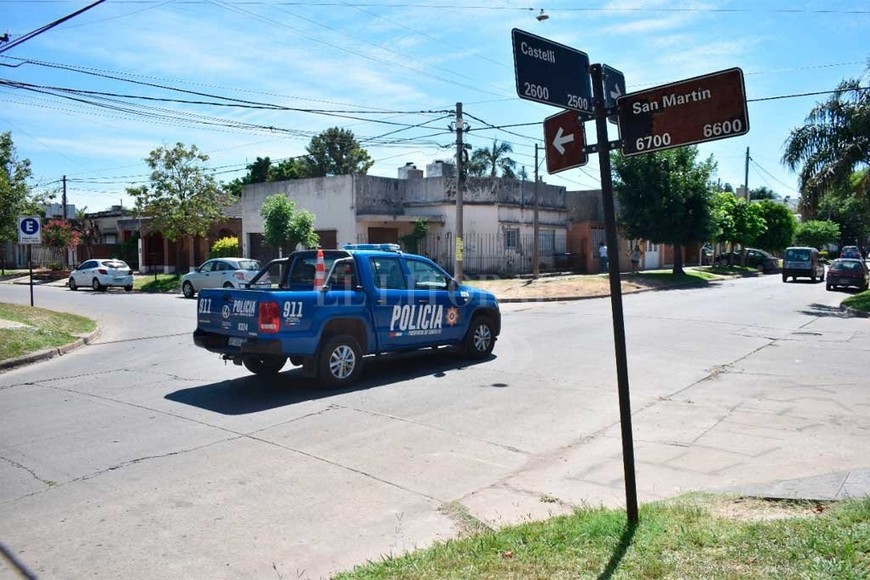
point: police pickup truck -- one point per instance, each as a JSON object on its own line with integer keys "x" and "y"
{"x": 325, "y": 309}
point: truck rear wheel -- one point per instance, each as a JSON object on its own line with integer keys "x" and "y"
{"x": 480, "y": 338}
{"x": 339, "y": 361}
{"x": 264, "y": 364}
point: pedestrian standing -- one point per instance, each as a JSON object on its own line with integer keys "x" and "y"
{"x": 602, "y": 257}
{"x": 635, "y": 256}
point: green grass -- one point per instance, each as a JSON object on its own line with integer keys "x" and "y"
{"x": 681, "y": 538}
{"x": 860, "y": 301}
{"x": 697, "y": 276}
{"x": 158, "y": 283}
{"x": 45, "y": 329}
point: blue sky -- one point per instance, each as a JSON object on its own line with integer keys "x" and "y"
{"x": 391, "y": 71}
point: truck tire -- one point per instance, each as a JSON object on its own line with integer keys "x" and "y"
{"x": 480, "y": 338}
{"x": 339, "y": 361}
{"x": 264, "y": 365}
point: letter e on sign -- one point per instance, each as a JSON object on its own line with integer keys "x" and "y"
{"x": 29, "y": 230}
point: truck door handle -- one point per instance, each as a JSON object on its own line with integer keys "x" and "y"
{"x": 423, "y": 301}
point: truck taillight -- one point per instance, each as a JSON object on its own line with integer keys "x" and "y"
{"x": 269, "y": 321}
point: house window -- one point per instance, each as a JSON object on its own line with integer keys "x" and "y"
{"x": 512, "y": 239}
{"x": 546, "y": 242}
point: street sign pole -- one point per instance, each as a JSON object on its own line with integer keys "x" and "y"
{"x": 615, "y": 292}
{"x": 30, "y": 266}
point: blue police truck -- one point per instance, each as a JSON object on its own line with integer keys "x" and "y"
{"x": 365, "y": 299}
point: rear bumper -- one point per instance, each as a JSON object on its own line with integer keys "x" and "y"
{"x": 838, "y": 281}
{"x": 219, "y": 343}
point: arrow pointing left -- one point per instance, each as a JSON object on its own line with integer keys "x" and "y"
{"x": 561, "y": 139}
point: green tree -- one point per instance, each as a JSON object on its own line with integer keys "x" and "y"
{"x": 780, "y": 226}
{"x": 834, "y": 142}
{"x": 762, "y": 192}
{"x": 817, "y": 233}
{"x": 736, "y": 221}
{"x": 291, "y": 168}
{"x": 665, "y": 197}
{"x": 183, "y": 199}
{"x": 412, "y": 240}
{"x": 285, "y": 226}
{"x": 335, "y": 152}
{"x": 490, "y": 162}
{"x": 14, "y": 193}
{"x": 849, "y": 208}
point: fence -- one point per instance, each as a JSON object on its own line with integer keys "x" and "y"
{"x": 46, "y": 257}
{"x": 502, "y": 254}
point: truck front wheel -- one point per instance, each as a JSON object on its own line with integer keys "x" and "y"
{"x": 480, "y": 338}
{"x": 339, "y": 361}
{"x": 264, "y": 364}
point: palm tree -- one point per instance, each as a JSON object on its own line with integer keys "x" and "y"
{"x": 488, "y": 162}
{"x": 834, "y": 143}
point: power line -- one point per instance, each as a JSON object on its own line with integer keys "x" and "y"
{"x": 47, "y": 27}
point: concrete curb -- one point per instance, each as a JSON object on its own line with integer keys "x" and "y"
{"x": 50, "y": 353}
{"x": 855, "y": 312}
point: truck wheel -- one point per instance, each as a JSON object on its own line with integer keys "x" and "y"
{"x": 266, "y": 364}
{"x": 339, "y": 361}
{"x": 480, "y": 338}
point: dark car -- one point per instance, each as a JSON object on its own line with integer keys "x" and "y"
{"x": 754, "y": 259}
{"x": 851, "y": 252}
{"x": 847, "y": 272}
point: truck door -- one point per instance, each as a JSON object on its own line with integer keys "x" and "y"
{"x": 392, "y": 304}
{"x": 440, "y": 309}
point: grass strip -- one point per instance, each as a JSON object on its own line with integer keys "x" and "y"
{"x": 45, "y": 329}
{"x": 693, "y": 536}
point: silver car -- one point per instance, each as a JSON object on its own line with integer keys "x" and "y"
{"x": 100, "y": 274}
{"x": 219, "y": 273}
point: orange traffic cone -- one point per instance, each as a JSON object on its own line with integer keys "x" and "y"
{"x": 319, "y": 271}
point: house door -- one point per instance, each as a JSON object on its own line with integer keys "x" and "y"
{"x": 652, "y": 257}
{"x": 383, "y": 236}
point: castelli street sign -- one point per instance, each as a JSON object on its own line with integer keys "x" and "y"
{"x": 552, "y": 73}
{"x": 696, "y": 110}
{"x": 564, "y": 141}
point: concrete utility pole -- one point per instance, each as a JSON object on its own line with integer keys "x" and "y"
{"x": 746, "y": 175}
{"x": 535, "y": 262}
{"x": 459, "y": 242}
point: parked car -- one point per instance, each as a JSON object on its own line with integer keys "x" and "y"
{"x": 219, "y": 273}
{"x": 848, "y": 272}
{"x": 101, "y": 274}
{"x": 804, "y": 262}
{"x": 760, "y": 259}
{"x": 851, "y": 252}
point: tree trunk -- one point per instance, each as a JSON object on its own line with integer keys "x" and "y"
{"x": 678, "y": 259}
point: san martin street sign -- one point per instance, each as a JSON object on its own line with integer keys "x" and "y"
{"x": 552, "y": 73}
{"x": 696, "y": 110}
{"x": 564, "y": 141}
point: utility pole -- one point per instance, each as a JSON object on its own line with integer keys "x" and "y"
{"x": 459, "y": 242}
{"x": 63, "y": 199}
{"x": 746, "y": 175}
{"x": 535, "y": 262}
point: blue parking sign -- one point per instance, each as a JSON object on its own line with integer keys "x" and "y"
{"x": 29, "y": 230}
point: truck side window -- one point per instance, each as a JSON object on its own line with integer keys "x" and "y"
{"x": 343, "y": 276}
{"x": 426, "y": 277}
{"x": 388, "y": 273}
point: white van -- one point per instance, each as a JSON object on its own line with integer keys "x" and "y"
{"x": 804, "y": 262}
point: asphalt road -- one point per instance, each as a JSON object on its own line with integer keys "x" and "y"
{"x": 142, "y": 456}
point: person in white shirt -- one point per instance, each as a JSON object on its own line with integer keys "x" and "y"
{"x": 602, "y": 257}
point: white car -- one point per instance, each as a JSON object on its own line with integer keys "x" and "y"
{"x": 100, "y": 274}
{"x": 219, "y": 273}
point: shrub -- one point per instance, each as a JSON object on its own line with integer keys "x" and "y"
{"x": 225, "y": 248}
